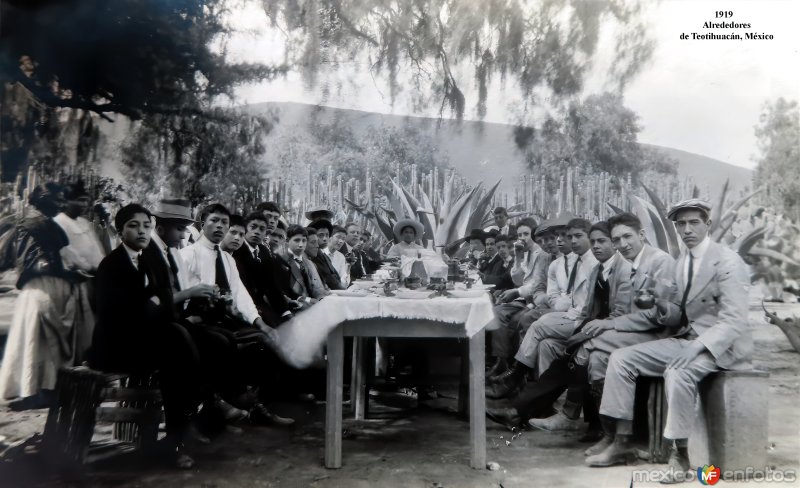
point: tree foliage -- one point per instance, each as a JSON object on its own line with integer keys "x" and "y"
{"x": 778, "y": 133}
{"x": 598, "y": 133}
{"x": 547, "y": 46}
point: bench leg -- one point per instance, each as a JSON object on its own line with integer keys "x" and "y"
{"x": 358, "y": 384}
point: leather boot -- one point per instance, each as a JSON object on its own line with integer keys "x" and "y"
{"x": 508, "y": 383}
{"x": 498, "y": 368}
{"x": 507, "y": 416}
{"x": 678, "y": 466}
{"x": 619, "y": 451}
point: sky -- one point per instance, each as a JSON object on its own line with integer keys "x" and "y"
{"x": 701, "y": 96}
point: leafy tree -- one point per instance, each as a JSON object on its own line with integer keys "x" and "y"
{"x": 778, "y": 133}
{"x": 543, "y": 47}
{"x": 598, "y": 133}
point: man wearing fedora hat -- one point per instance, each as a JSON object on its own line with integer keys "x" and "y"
{"x": 406, "y": 232}
{"x": 708, "y": 314}
{"x": 319, "y": 213}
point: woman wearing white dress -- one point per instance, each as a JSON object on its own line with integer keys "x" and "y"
{"x": 406, "y": 231}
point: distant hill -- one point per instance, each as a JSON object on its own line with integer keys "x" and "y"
{"x": 482, "y": 150}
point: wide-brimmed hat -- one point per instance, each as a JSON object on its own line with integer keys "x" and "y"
{"x": 319, "y": 213}
{"x": 174, "y": 208}
{"x": 402, "y": 224}
{"x": 322, "y": 224}
{"x": 550, "y": 225}
{"x": 692, "y": 203}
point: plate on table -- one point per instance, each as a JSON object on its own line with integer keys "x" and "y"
{"x": 483, "y": 286}
{"x": 466, "y": 293}
{"x": 412, "y": 294}
{"x": 350, "y": 293}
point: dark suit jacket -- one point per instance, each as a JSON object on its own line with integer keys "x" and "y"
{"x": 160, "y": 269}
{"x": 496, "y": 274}
{"x": 360, "y": 267}
{"x": 263, "y": 280}
{"x": 128, "y": 320}
{"x": 315, "y": 288}
{"x": 326, "y": 271}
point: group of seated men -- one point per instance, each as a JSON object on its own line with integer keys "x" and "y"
{"x": 204, "y": 314}
{"x": 593, "y": 307}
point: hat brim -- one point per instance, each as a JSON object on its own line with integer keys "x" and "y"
{"x": 172, "y": 216}
{"x": 325, "y": 214}
{"x": 399, "y": 226}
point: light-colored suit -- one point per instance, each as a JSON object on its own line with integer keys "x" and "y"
{"x": 546, "y": 339}
{"x": 558, "y": 282}
{"x": 296, "y": 279}
{"x": 640, "y": 325}
{"x": 530, "y": 275}
{"x": 716, "y": 309}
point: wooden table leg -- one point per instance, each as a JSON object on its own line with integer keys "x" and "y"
{"x": 333, "y": 400}
{"x": 463, "y": 381}
{"x": 477, "y": 401}
{"x": 358, "y": 384}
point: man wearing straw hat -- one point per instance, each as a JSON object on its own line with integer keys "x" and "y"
{"x": 406, "y": 232}
{"x": 319, "y": 213}
{"x": 708, "y": 313}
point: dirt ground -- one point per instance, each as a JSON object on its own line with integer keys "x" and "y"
{"x": 400, "y": 446}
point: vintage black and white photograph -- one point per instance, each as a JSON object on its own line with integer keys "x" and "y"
{"x": 399, "y": 243}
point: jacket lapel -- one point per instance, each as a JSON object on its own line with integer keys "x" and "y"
{"x": 706, "y": 271}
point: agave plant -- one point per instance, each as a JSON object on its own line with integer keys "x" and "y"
{"x": 445, "y": 226}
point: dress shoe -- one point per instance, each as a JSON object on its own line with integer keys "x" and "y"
{"x": 229, "y": 412}
{"x": 505, "y": 416}
{"x": 678, "y": 468}
{"x": 557, "y": 422}
{"x": 507, "y": 384}
{"x": 600, "y": 446}
{"x": 260, "y": 415}
{"x": 619, "y": 451}
{"x": 497, "y": 368}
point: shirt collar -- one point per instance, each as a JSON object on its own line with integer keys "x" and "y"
{"x": 203, "y": 241}
{"x": 700, "y": 250}
{"x": 585, "y": 255}
{"x": 161, "y": 245}
{"x": 608, "y": 265}
{"x": 638, "y": 259}
{"x": 133, "y": 255}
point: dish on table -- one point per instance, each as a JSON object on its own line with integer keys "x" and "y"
{"x": 412, "y": 294}
{"x": 350, "y": 293}
{"x": 466, "y": 293}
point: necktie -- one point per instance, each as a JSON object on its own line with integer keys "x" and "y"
{"x": 633, "y": 273}
{"x": 601, "y": 279}
{"x": 566, "y": 267}
{"x": 220, "y": 278}
{"x": 255, "y": 254}
{"x": 572, "y": 275}
{"x": 304, "y": 274}
{"x": 173, "y": 266}
{"x": 689, "y": 277}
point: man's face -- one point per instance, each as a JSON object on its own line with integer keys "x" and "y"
{"x": 502, "y": 249}
{"x": 271, "y": 218}
{"x": 255, "y": 232}
{"x": 525, "y": 234}
{"x": 136, "y": 232}
{"x": 336, "y": 240}
{"x": 491, "y": 246}
{"x": 500, "y": 219}
{"x": 234, "y": 238}
{"x": 172, "y": 233}
{"x": 408, "y": 235}
{"x": 578, "y": 240}
{"x": 602, "y": 247}
{"x": 476, "y": 245}
{"x": 353, "y": 235}
{"x": 312, "y": 245}
{"x": 562, "y": 241}
{"x": 366, "y": 241}
{"x": 297, "y": 244}
{"x": 627, "y": 240}
{"x": 277, "y": 239}
{"x": 692, "y": 227}
{"x": 322, "y": 237}
{"x": 548, "y": 242}
{"x": 215, "y": 227}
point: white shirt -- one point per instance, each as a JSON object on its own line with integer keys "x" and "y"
{"x": 201, "y": 261}
{"x": 84, "y": 251}
{"x": 608, "y": 266}
{"x": 637, "y": 260}
{"x": 697, "y": 252}
{"x": 503, "y": 231}
{"x": 339, "y": 263}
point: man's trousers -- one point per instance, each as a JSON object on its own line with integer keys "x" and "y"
{"x": 651, "y": 359}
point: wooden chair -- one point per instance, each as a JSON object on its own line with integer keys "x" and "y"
{"x": 80, "y": 395}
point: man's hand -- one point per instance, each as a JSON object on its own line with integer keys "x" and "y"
{"x": 294, "y": 304}
{"x": 597, "y": 327}
{"x": 509, "y": 295}
{"x": 272, "y": 334}
{"x": 687, "y": 355}
{"x": 662, "y": 306}
{"x": 202, "y": 291}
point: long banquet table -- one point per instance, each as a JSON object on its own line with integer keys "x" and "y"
{"x": 336, "y": 317}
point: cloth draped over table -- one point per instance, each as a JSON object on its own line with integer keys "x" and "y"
{"x": 302, "y": 338}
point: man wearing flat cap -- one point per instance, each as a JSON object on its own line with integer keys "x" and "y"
{"x": 708, "y": 313}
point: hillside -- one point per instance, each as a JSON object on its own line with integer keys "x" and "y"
{"x": 474, "y": 147}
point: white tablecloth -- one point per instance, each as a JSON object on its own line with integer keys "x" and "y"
{"x": 301, "y": 339}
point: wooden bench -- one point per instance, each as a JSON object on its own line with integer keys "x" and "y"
{"x": 730, "y": 430}
{"x": 80, "y": 396}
